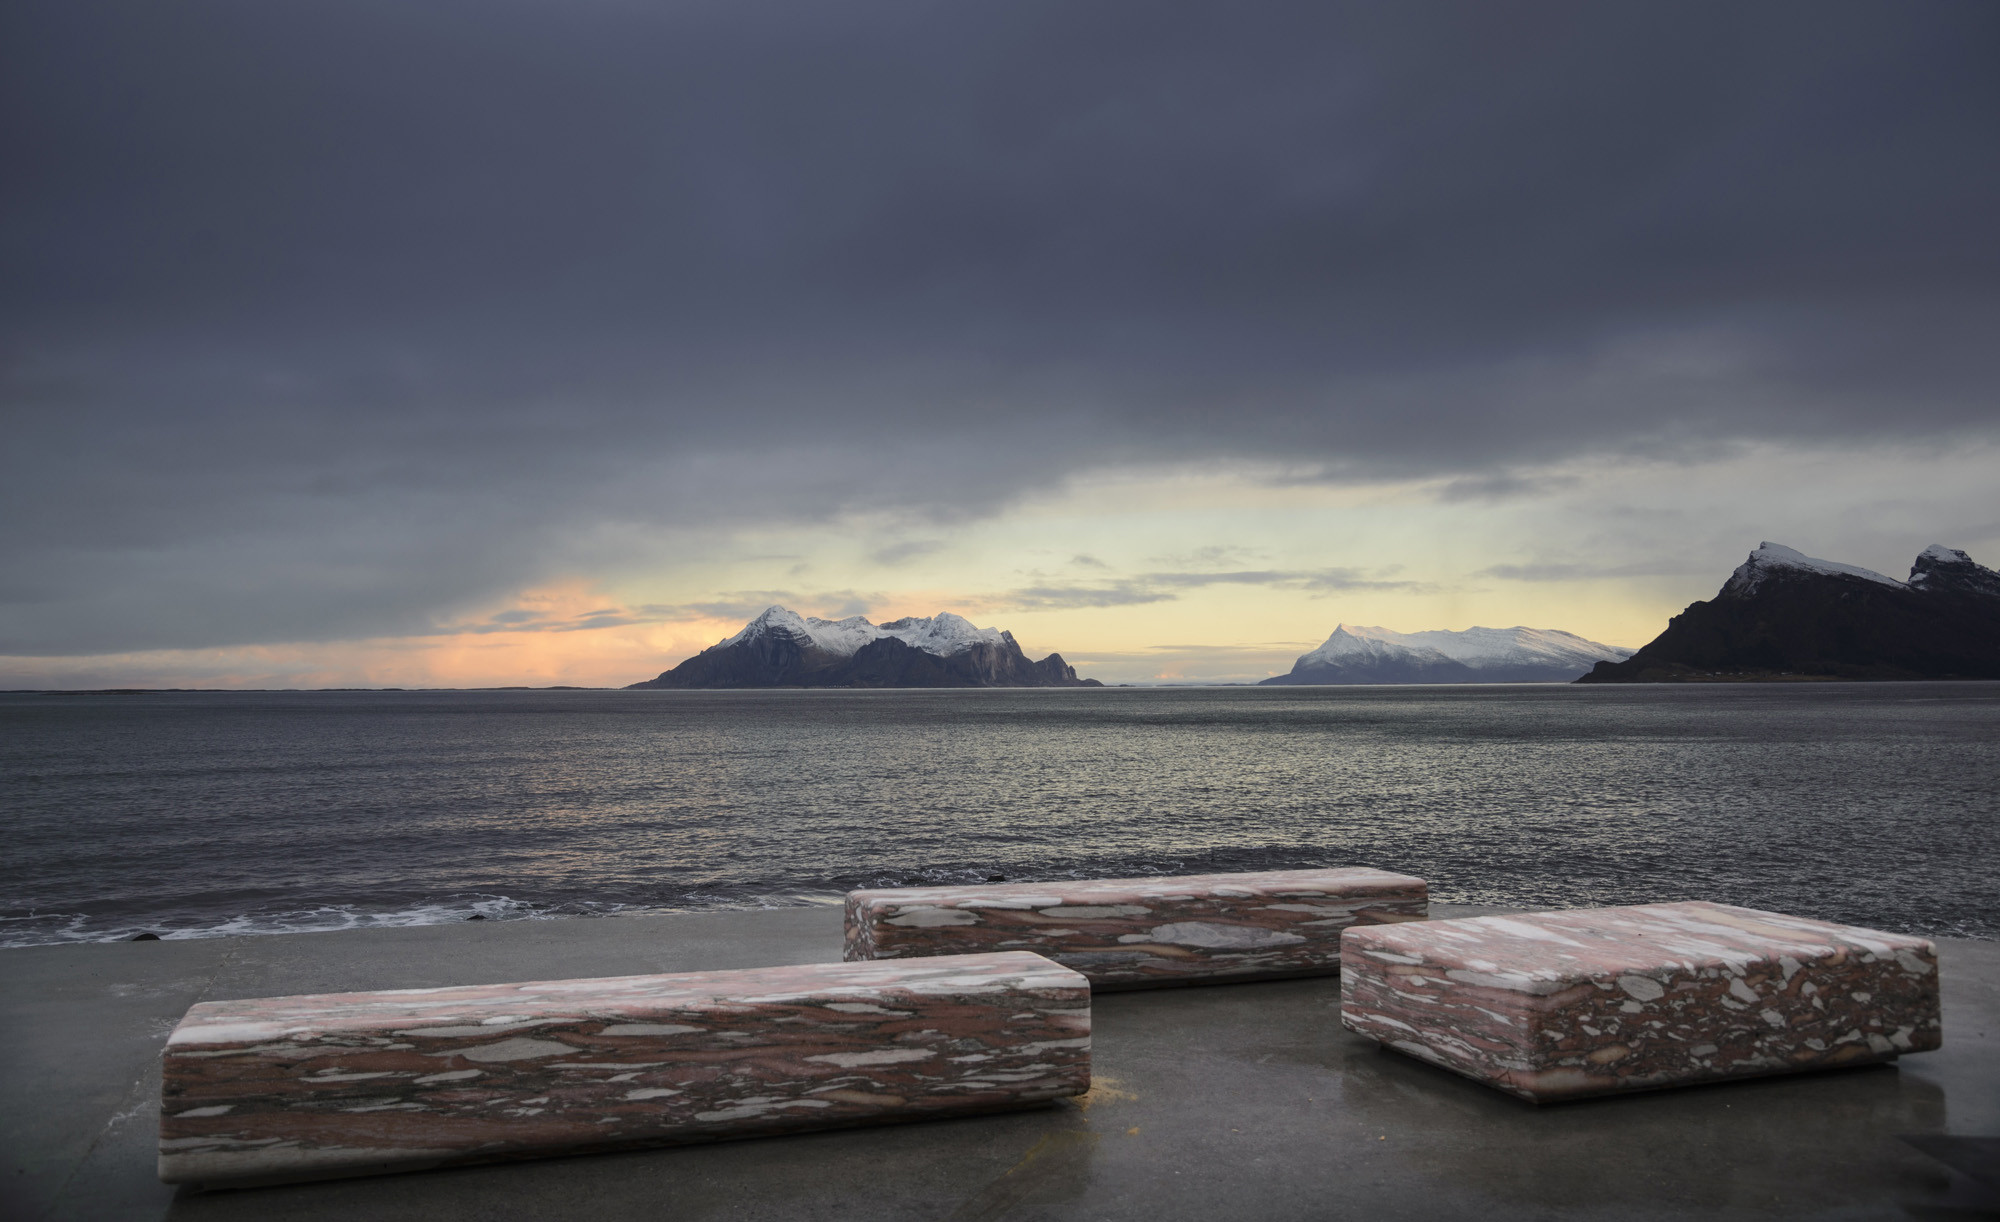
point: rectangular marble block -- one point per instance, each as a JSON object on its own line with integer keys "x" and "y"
{"x": 359, "y": 1083}
{"x": 1562, "y": 1005}
{"x": 1141, "y": 933}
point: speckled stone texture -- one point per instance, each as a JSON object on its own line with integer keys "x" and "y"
{"x": 1563, "y": 1005}
{"x": 1141, "y": 933}
{"x": 357, "y": 1083}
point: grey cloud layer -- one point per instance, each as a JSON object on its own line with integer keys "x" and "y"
{"x": 1165, "y": 587}
{"x": 331, "y": 320}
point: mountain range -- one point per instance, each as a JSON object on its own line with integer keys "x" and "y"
{"x": 782, "y": 648}
{"x": 1785, "y": 615}
{"x": 1475, "y": 655}
{"x": 1780, "y": 615}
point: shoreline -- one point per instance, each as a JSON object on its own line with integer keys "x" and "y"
{"x": 501, "y": 910}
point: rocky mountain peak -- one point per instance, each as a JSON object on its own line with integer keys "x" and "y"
{"x": 1947, "y": 569}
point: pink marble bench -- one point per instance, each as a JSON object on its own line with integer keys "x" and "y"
{"x": 287, "y": 1088}
{"x": 1562, "y": 1005}
{"x": 1139, "y": 933}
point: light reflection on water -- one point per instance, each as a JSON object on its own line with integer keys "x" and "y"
{"x": 219, "y": 813}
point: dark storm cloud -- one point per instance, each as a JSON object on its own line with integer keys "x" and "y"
{"x": 1165, "y": 587}
{"x": 327, "y": 320}
{"x": 1503, "y": 485}
{"x": 1073, "y": 597}
{"x": 1585, "y": 572}
{"x": 906, "y": 551}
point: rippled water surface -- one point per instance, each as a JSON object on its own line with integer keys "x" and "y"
{"x": 204, "y": 813}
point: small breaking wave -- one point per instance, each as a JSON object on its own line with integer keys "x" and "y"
{"x": 43, "y": 929}
{"x": 65, "y": 928}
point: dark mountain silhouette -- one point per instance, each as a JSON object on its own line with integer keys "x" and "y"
{"x": 783, "y": 649}
{"x": 1783, "y": 615}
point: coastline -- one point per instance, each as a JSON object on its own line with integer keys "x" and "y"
{"x": 502, "y": 910}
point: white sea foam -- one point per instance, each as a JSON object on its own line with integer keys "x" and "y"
{"x": 44, "y": 929}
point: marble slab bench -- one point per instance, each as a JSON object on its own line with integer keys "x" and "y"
{"x": 288, "y": 1088}
{"x": 1562, "y": 1005}
{"x": 1139, "y": 933}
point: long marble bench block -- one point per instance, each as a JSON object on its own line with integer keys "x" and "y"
{"x": 1138, "y": 933}
{"x": 357, "y": 1083}
{"x": 1562, "y": 1005}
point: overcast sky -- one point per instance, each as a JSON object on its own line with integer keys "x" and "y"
{"x": 412, "y": 342}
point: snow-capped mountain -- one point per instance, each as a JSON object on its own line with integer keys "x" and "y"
{"x": 1355, "y": 654}
{"x": 1946, "y": 570}
{"x": 943, "y": 634}
{"x": 1776, "y": 560}
{"x": 781, "y": 648}
{"x": 1786, "y": 615}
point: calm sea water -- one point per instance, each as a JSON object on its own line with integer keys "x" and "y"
{"x": 208, "y": 813}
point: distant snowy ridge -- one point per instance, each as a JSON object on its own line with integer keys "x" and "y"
{"x": 1358, "y": 654}
{"x": 943, "y": 634}
{"x": 1474, "y": 647}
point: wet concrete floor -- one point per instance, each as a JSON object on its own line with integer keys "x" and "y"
{"x": 1244, "y": 1101}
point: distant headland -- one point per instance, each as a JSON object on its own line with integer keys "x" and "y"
{"x": 1783, "y": 615}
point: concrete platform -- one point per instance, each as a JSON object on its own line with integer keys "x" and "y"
{"x": 1234, "y": 1101}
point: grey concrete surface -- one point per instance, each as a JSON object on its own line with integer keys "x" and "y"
{"x": 1222, "y": 1102}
